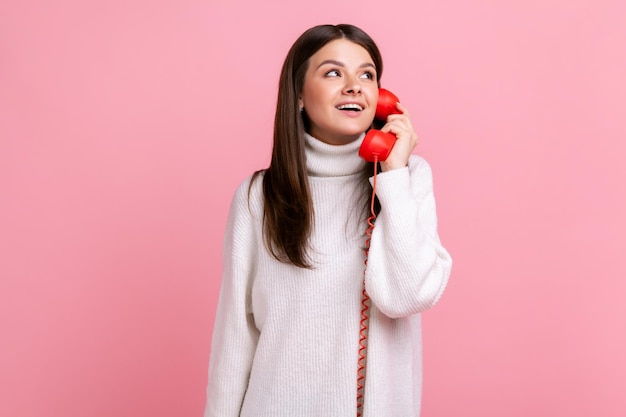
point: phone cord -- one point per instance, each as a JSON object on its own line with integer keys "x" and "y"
{"x": 365, "y": 305}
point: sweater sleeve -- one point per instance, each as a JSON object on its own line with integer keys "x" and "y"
{"x": 407, "y": 268}
{"x": 235, "y": 335}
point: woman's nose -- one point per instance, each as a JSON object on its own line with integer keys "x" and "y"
{"x": 352, "y": 86}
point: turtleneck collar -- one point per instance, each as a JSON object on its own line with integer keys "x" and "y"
{"x": 324, "y": 160}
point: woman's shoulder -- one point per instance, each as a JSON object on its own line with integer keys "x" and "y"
{"x": 253, "y": 183}
{"x": 249, "y": 193}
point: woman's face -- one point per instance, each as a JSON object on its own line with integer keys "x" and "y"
{"x": 340, "y": 92}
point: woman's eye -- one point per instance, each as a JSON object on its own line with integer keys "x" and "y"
{"x": 369, "y": 75}
{"x": 332, "y": 73}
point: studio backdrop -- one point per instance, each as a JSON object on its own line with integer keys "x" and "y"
{"x": 125, "y": 127}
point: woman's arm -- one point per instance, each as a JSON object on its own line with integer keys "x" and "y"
{"x": 407, "y": 268}
{"x": 235, "y": 335}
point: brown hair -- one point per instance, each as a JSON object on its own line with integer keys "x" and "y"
{"x": 288, "y": 209}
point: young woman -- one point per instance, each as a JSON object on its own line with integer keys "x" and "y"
{"x": 286, "y": 340}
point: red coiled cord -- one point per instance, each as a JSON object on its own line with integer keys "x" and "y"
{"x": 365, "y": 306}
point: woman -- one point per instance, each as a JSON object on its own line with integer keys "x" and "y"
{"x": 287, "y": 329}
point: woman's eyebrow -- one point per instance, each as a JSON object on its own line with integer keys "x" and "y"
{"x": 341, "y": 64}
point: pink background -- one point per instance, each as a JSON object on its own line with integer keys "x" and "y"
{"x": 126, "y": 125}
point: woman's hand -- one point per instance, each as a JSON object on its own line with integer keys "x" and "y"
{"x": 400, "y": 125}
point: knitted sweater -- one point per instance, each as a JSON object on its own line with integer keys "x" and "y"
{"x": 286, "y": 339}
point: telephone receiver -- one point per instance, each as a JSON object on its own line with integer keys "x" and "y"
{"x": 377, "y": 145}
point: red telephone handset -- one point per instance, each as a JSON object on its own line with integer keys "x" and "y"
{"x": 377, "y": 145}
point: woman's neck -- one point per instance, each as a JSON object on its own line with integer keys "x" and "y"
{"x": 324, "y": 160}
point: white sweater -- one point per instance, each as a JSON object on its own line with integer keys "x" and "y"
{"x": 286, "y": 339}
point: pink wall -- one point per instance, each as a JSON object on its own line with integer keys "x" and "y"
{"x": 125, "y": 127}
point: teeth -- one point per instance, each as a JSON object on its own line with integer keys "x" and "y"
{"x": 350, "y": 106}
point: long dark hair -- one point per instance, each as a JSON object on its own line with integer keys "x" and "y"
{"x": 288, "y": 209}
